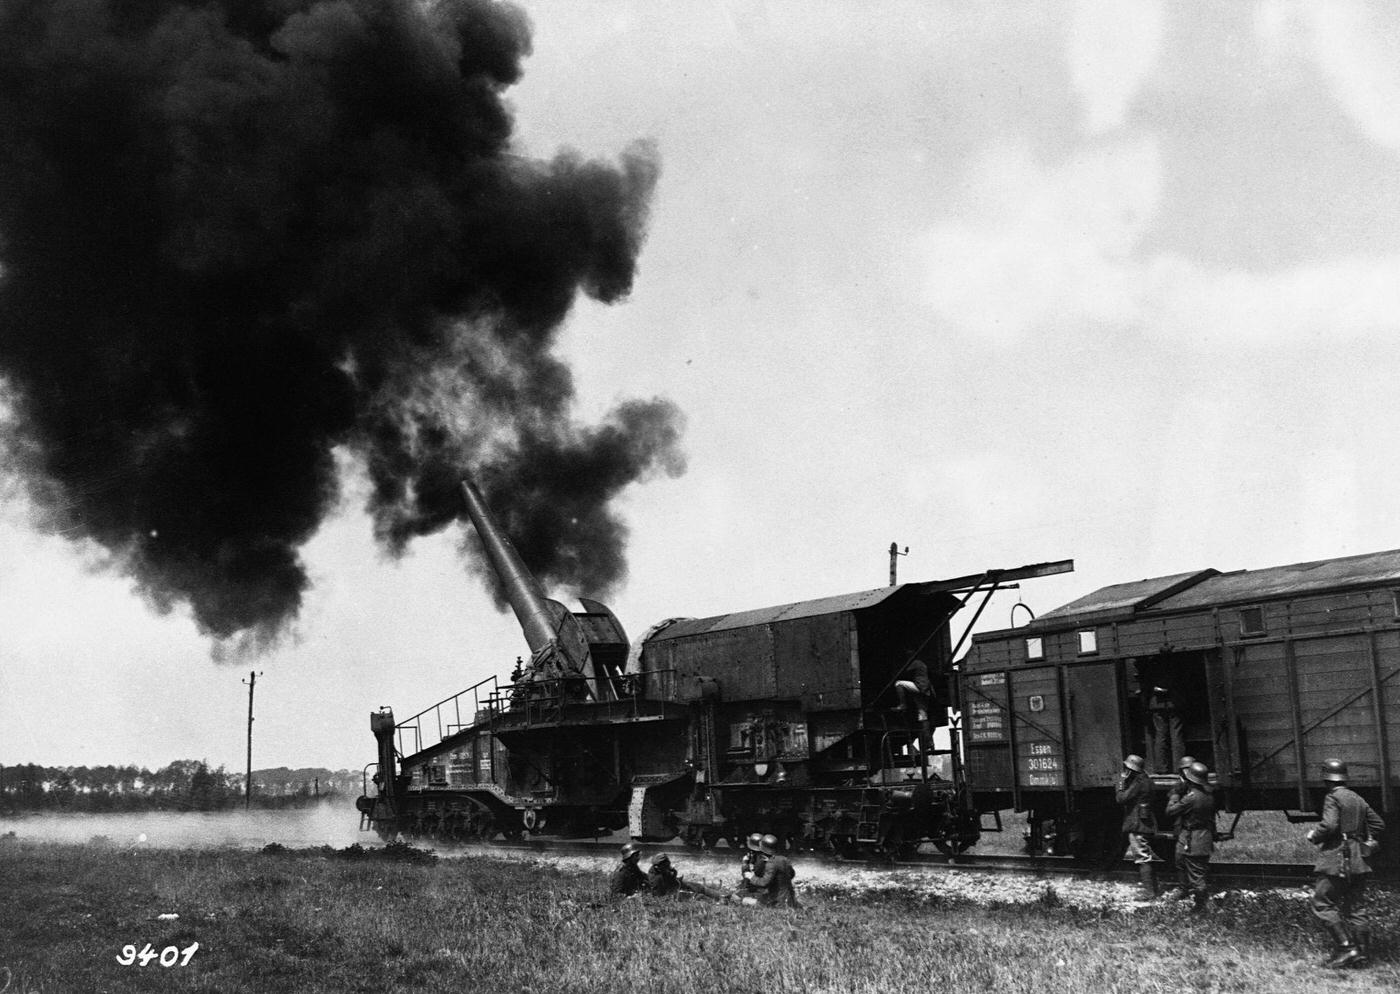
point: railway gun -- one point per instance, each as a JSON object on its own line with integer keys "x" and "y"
{"x": 780, "y": 720}
{"x": 784, "y": 719}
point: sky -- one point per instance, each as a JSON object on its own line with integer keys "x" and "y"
{"x": 1002, "y": 283}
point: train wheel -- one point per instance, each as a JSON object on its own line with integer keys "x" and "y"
{"x": 709, "y": 837}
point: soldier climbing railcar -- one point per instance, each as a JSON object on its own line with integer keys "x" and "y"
{"x": 1265, "y": 674}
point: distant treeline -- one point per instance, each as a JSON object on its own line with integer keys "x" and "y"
{"x": 184, "y": 785}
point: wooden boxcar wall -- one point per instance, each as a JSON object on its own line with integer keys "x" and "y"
{"x": 1319, "y": 678}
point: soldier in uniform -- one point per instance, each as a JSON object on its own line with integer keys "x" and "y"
{"x": 628, "y": 879}
{"x": 1134, "y": 793}
{"x": 1168, "y": 739}
{"x": 751, "y": 866}
{"x": 1195, "y": 840}
{"x": 915, "y": 688}
{"x": 1178, "y": 790}
{"x": 775, "y": 882}
{"x": 1348, "y": 834}
{"x": 664, "y": 881}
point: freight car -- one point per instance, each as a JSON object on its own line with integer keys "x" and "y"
{"x": 779, "y": 719}
{"x": 1269, "y": 672}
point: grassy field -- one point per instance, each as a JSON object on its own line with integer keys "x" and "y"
{"x": 396, "y": 920}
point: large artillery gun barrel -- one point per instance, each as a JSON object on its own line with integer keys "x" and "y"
{"x": 526, "y": 597}
{"x": 558, "y": 644}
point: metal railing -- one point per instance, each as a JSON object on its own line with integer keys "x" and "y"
{"x": 537, "y": 702}
{"x": 615, "y": 698}
{"x": 446, "y": 716}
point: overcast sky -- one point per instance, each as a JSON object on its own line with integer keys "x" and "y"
{"x": 1003, "y": 283}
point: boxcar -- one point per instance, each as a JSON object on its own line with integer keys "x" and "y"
{"x": 1272, "y": 671}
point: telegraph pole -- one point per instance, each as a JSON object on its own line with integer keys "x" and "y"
{"x": 894, "y": 560}
{"x": 248, "y": 783}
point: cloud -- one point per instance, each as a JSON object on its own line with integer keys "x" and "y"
{"x": 1356, "y": 46}
{"x": 1112, "y": 47}
{"x": 1034, "y": 247}
{"x": 1035, "y": 243}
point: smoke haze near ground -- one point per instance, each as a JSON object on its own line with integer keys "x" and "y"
{"x": 327, "y": 824}
{"x": 238, "y": 237}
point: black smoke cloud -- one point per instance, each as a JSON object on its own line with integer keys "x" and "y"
{"x": 239, "y": 235}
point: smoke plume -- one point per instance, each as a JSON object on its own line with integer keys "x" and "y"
{"x": 237, "y": 235}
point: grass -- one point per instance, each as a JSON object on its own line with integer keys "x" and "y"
{"x": 395, "y": 919}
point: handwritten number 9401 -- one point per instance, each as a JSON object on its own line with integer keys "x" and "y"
{"x": 168, "y": 956}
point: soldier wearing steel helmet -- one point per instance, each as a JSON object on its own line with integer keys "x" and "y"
{"x": 1134, "y": 794}
{"x": 1195, "y": 840}
{"x": 752, "y": 864}
{"x": 1348, "y": 835}
{"x": 1177, "y": 791}
{"x": 628, "y": 879}
{"x": 663, "y": 880}
{"x": 775, "y": 882}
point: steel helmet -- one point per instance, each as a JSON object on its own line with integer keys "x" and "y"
{"x": 1133, "y": 763}
{"x": 1185, "y": 763}
{"x": 755, "y": 841}
{"x": 1335, "y": 771}
{"x": 660, "y": 859}
{"x": 1197, "y": 773}
{"x": 630, "y": 851}
{"x": 769, "y": 844}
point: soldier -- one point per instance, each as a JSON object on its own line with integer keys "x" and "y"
{"x": 775, "y": 882}
{"x": 664, "y": 881}
{"x": 1134, "y": 793}
{"x": 1348, "y": 835}
{"x": 628, "y": 879}
{"x": 1178, "y": 790}
{"x": 752, "y": 864}
{"x": 914, "y": 687}
{"x": 1195, "y": 840}
{"x": 1167, "y": 734}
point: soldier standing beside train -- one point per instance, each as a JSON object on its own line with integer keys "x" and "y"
{"x": 1195, "y": 840}
{"x": 1348, "y": 835}
{"x": 1134, "y": 793}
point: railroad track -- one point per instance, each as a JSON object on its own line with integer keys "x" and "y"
{"x": 1223, "y": 874}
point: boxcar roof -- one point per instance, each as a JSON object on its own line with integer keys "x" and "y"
{"x": 1122, "y": 597}
{"x": 1283, "y": 581}
{"x": 787, "y": 612}
{"x": 1189, "y": 591}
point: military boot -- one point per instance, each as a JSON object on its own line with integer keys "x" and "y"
{"x": 1347, "y": 955}
{"x": 1346, "y": 952}
{"x": 1339, "y": 937}
{"x": 1198, "y": 901}
{"x": 1147, "y": 883}
{"x": 1363, "y": 946}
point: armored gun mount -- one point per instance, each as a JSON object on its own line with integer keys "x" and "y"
{"x": 584, "y": 651}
